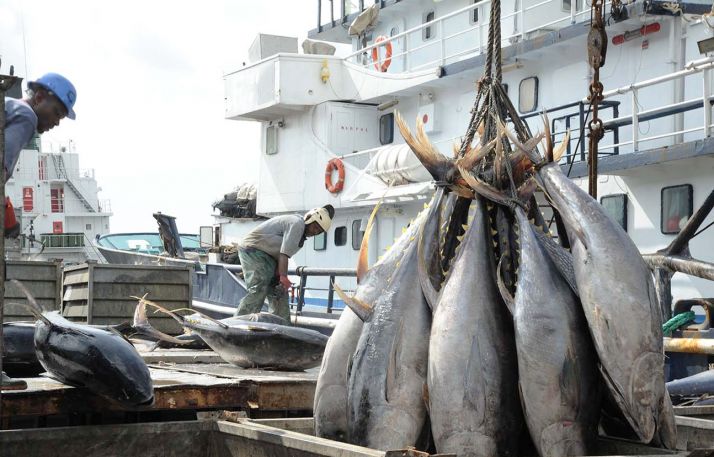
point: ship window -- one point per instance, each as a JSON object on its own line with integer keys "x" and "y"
{"x": 88, "y": 226}
{"x": 340, "y": 236}
{"x": 320, "y": 242}
{"x": 473, "y": 17}
{"x": 428, "y": 32}
{"x": 357, "y": 234}
{"x": 676, "y": 206}
{"x": 616, "y": 207}
{"x": 386, "y": 129}
{"x": 271, "y": 140}
{"x": 528, "y": 94}
{"x": 566, "y": 5}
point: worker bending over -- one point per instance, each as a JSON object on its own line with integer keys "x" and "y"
{"x": 264, "y": 253}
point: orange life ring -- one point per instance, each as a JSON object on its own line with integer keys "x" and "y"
{"x": 335, "y": 164}
{"x": 387, "y": 58}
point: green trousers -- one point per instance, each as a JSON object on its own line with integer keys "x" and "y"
{"x": 261, "y": 282}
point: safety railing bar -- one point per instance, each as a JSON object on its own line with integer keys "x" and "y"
{"x": 422, "y": 26}
{"x": 692, "y": 68}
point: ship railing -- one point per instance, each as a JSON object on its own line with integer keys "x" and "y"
{"x": 299, "y": 290}
{"x": 104, "y": 206}
{"x": 513, "y": 27}
{"x": 639, "y": 114}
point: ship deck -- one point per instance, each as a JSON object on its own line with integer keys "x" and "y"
{"x": 185, "y": 382}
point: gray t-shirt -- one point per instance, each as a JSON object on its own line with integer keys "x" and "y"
{"x": 20, "y": 125}
{"x": 279, "y": 235}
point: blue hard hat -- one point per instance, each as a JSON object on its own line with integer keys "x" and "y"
{"x": 61, "y": 87}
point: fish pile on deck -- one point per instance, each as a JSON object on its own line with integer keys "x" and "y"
{"x": 477, "y": 329}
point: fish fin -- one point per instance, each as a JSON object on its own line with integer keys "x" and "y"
{"x": 362, "y": 309}
{"x": 422, "y": 147}
{"x": 362, "y": 263}
{"x": 392, "y": 372}
{"x": 475, "y": 155}
{"x": 616, "y": 393}
{"x": 561, "y": 258}
{"x": 529, "y": 148}
{"x": 35, "y": 308}
{"x": 505, "y": 294}
{"x": 474, "y": 382}
{"x": 548, "y": 139}
{"x": 141, "y": 324}
{"x": 568, "y": 380}
{"x": 562, "y": 147}
{"x": 484, "y": 189}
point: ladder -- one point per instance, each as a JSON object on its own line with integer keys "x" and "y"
{"x": 61, "y": 171}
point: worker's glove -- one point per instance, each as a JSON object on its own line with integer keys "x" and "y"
{"x": 285, "y": 282}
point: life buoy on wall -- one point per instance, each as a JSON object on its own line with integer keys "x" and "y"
{"x": 332, "y": 165}
{"x": 388, "y": 56}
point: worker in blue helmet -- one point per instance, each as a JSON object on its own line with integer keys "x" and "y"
{"x": 50, "y": 99}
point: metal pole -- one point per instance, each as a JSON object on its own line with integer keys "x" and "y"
{"x": 6, "y": 82}
{"x": 330, "y": 294}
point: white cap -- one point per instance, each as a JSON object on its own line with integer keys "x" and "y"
{"x": 319, "y": 215}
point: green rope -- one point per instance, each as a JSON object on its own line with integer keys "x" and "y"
{"x": 677, "y": 321}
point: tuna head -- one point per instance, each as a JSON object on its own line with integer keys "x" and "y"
{"x": 101, "y": 360}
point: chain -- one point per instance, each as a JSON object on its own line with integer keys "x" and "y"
{"x": 597, "y": 49}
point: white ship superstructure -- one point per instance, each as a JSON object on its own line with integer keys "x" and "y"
{"x": 656, "y": 160}
{"x": 58, "y": 203}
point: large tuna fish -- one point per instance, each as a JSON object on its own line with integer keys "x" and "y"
{"x": 101, "y": 360}
{"x": 472, "y": 375}
{"x": 618, "y": 297}
{"x": 254, "y": 344}
{"x": 330, "y": 405}
{"x": 557, "y": 364}
{"x": 388, "y": 374}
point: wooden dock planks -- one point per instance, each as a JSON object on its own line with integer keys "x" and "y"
{"x": 175, "y": 387}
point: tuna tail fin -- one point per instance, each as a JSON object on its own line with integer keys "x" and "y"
{"x": 35, "y": 308}
{"x": 484, "y": 189}
{"x": 505, "y": 294}
{"x": 427, "y": 154}
{"x": 362, "y": 262}
{"x": 562, "y": 147}
{"x": 361, "y": 309}
{"x": 529, "y": 148}
{"x": 475, "y": 155}
{"x": 143, "y": 327}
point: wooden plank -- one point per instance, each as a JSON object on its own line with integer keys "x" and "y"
{"x": 258, "y": 440}
{"x": 77, "y": 277}
{"x": 39, "y": 289}
{"x": 75, "y": 310}
{"x": 142, "y": 275}
{"x": 154, "y": 439}
{"x": 73, "y": 293}
{"x": 124, "y": 308}
{"x": 163, "y": 292}
{"x": 172, "y": 390}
